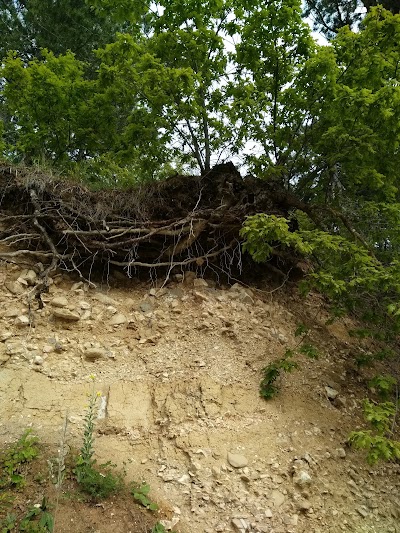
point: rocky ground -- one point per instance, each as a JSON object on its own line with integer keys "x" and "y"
{"x": 178, "y": 368}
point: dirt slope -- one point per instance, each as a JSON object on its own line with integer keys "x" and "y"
{"x": 178, "y": 368}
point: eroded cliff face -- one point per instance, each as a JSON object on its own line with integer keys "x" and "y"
{"x": 178, "y": 367}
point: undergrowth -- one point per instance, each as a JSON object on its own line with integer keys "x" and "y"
{"x": 94, "y": 481}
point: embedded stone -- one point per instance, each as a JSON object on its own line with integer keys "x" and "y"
{"x": 237, "y": 460}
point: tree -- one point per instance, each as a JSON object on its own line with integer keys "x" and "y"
{"x": 328, "y": 16}
{"x": 27, "y": 26}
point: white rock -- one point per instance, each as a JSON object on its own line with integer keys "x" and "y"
{"x": 331, "y": 393}
{"x": 240, "y": 524}
{"x": 340, "y": 452}
{"x": 59, "y": 301}
{"x": 302, "y": 478}
{"x": 22, "y": 321}
{"x": 117, "y": 319}
{"x": 237, "y": 460}
{"x": 30, "y": 277}
{"x": 277, "y": 497}
{"x": 104, "y": 299}
{"x": 65, "y": 314}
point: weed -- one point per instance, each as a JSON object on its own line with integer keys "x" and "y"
{"x": 158, "y": 528}
{"x": 38, "y": 519}
{"x": 13, "y": 460}
{"x": 140, "y": 492}
{"x": 98, "y": 484}
{"x": 6, "y": 500}
{"x": 8, "y": 523}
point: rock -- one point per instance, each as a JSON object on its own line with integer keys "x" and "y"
{"x": 4, "y": 357}
{"x": 30, "y": 277}
{"x": 65, "y": 314}
{"x": 5, "y": 336}
{"x": 339, "y": 402}
{"x": 37, "y": 360}
{"x": 362, "y": 511}
{"x": 170, "y": 524}
{"x": 146, "y": 307}
{"x": 302, "y": 478}
{"x": 22, "y": 321}
{"x": 268, "y": 513}
{"x": 200, "y": 296}
{"x": 340, "y": 452}
{"x": 176, "y": 293}
{"x": 153, "y": 292}
{"x": 303, "y": 505}
{"x": 245, "y": 298}
{"x": 14, "y": 287}
{"x": 277, "y": 498}
{"x": 240, "y": 524}
{"x": 59, "y": 301}
{"x": 92, "y": 354}
{"x": 236, "y": 287}
{"x": 200, "y": 283}
{"x": 104, "y": 299}
{"x": 237, "y": 460}
{"x": 331, "y": 393}
{"x": 117, "y": 319}
{"x": 12, "y": 312}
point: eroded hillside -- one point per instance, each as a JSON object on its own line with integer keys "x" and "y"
{"x": 178, "y": 367}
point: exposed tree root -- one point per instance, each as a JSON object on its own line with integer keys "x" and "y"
{"x": 188, "y": 222}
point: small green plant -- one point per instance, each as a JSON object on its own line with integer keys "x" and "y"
{"x": 38, "y": 519}
{"x": 309, "y": 350}
{"x": 268, "y": 387}
{"x": 8, "y": 523}
{"x": 384, "y": 385}
{"x": 15, "y": 458}
{"x": 378, "y": 441}
{"x": 140, "y": 493}
{"x": 101, "y": 482}
{"x": 158, "y": 528}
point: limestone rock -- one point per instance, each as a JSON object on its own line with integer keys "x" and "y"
{"x": 200, "y": 283}
{"x": 340, "y": 452}
{"x": 278, "y": 498}
{"x": 302, "y": 478}
{"x": 331, "y": 393}
{"x": 60, "y": 302}
{"x": 104, "y": 299}
{"x": 146, "y": 307}
{"x": 66, "y": 314}
{"x": 29, "y": 277}
{"x": 22, "y": 321}
{"x": 14, "y": 287}
{"x": 240, "y": 524}
{"x": 92, "y": 354}
{"x": 237, "y": 460}
{"x": 117, "y": 319}
{"x": 11, "y": 312}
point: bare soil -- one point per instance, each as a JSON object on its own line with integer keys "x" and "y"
{"x": 178, "y": 367}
